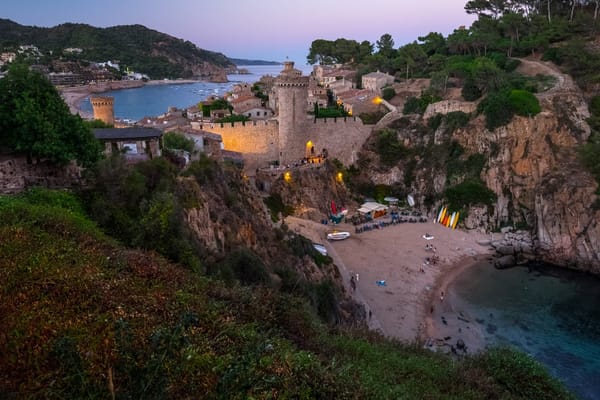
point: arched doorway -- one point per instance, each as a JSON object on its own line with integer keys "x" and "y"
{"x": 309, "y": 151}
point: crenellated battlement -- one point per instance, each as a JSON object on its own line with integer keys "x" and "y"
{"x": 240, "y": 124}
{"x": 341, "y": 120}
{"x": 102, "y": 101}
{"x": 291, "y": 84}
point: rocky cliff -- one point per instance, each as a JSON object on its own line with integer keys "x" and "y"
{"x": 226, "y": 213}
{"x": 531, "y": 165}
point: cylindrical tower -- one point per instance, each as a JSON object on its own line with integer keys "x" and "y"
{"x": 104, "y": 109}
{"x": 292, "y": 96}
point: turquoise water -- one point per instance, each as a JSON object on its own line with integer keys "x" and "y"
{"x": 551, "y": 314}
{"x": 152, "y": 100}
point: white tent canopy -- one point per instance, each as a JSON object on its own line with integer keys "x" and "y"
{"x": 372, "y": 206}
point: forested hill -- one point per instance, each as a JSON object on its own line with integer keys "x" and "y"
{"x": 135, "y": 46}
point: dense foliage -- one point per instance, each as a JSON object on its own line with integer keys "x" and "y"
{"x": 590, "y": 152}
{"x": 178, "y": 141}
{"x": 390, "y": 150}
{"x": 135, "y": 46}
{"x": 36, "y": 122}
{"x": 132, "y": 325}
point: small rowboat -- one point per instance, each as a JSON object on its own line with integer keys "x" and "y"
{"x": 338, "y": 235}
{"x": 320, "y": 248}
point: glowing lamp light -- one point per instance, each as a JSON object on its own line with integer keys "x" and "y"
{"x": 287, "y": 176}
{"x": 339, "y": 177}
{"x": 377, "y": 100}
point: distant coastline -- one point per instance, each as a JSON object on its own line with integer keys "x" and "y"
{"x": 240, "y": 62}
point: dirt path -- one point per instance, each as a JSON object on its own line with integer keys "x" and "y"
{"x": 533, "y": 67}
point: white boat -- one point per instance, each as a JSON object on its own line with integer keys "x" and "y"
{"x": 338, "y": 235}
{"x": 320, "y": 248}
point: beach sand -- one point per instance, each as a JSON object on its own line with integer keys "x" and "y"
{"x": 396, "y": 254}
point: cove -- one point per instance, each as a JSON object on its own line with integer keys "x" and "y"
{"x": 550, "y": 313}
{"x": 154, "y": 99}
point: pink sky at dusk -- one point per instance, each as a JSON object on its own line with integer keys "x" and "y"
{"x": 255, "y": 29}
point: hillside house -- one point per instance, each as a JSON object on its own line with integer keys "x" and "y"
{"x": 245, "y": 102}
{"x": 375, "y": 81}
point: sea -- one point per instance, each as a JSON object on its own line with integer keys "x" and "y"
{"x": 152, "y": 100}
{"x": 550, "y": 313}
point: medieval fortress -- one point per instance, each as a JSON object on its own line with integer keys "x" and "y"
{"x": 294, "y": 134}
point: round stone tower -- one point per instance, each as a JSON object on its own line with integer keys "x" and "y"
{"x": 104, "y": 109}
{"x": 292, "y": 95}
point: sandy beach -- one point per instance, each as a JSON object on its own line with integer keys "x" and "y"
{"x": 407, "y": 305}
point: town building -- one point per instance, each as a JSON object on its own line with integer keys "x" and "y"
{"x": 375, "y": 81}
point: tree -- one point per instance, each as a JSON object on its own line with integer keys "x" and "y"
{"x": 433, "y": 43}
{"x": 178, "y": 141}
{"x": 365, "y": 49}
{"x": 385, "y": 45}
{"x": 492, "y": 8}
{"x": 36, "y": 122}
{"x": 410, "y": 57}
{"x": 458, "y": 41}
{"x": 320, "y": 52}
{"x": 512, "y": 23}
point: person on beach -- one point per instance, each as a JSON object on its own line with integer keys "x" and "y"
{"x": 442, "y": 296}
{"x": 353, "y": 283}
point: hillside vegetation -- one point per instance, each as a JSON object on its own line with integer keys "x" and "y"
{"x": 134, "y": 46}
{"x": 85, "y": 317}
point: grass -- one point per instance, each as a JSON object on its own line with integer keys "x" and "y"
{"x": 83, "y": 317}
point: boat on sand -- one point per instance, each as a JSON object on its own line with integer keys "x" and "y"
{"x": 320, "y": 248}
{"x": 338, "y": 235}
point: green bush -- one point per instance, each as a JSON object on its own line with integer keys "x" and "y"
{"x": 233, "y": 118}
{"x": 388, "y": 93}
{"x": 456, "y": 119}
{"x": 204, "y": 169}
{"x": 178, "y": 141}
{"x": 497, "y": 109}
{"x": 435, "y": 121}
{"x": 519, "y": 374}
{"x": 247, "y": 267}
{"x": 371, "y": 118}
{"x": 276, "y": 206}
{"x": 524, "y": 103}
{"x": 470, "y": 91}
{"x": 469, "y": 192}
{"x": 590, "y": 156}
{"x": 389, "y": 149}
{"x": 595, "y": 106}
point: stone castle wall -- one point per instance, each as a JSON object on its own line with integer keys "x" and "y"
{"x": 16, "y": 175}
{"x": 258, "y": 141}
{"x": 448, "y": 106}
{"x": 341, "y": 137}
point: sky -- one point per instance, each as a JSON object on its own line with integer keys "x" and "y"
{"x": 273, "y": 30}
